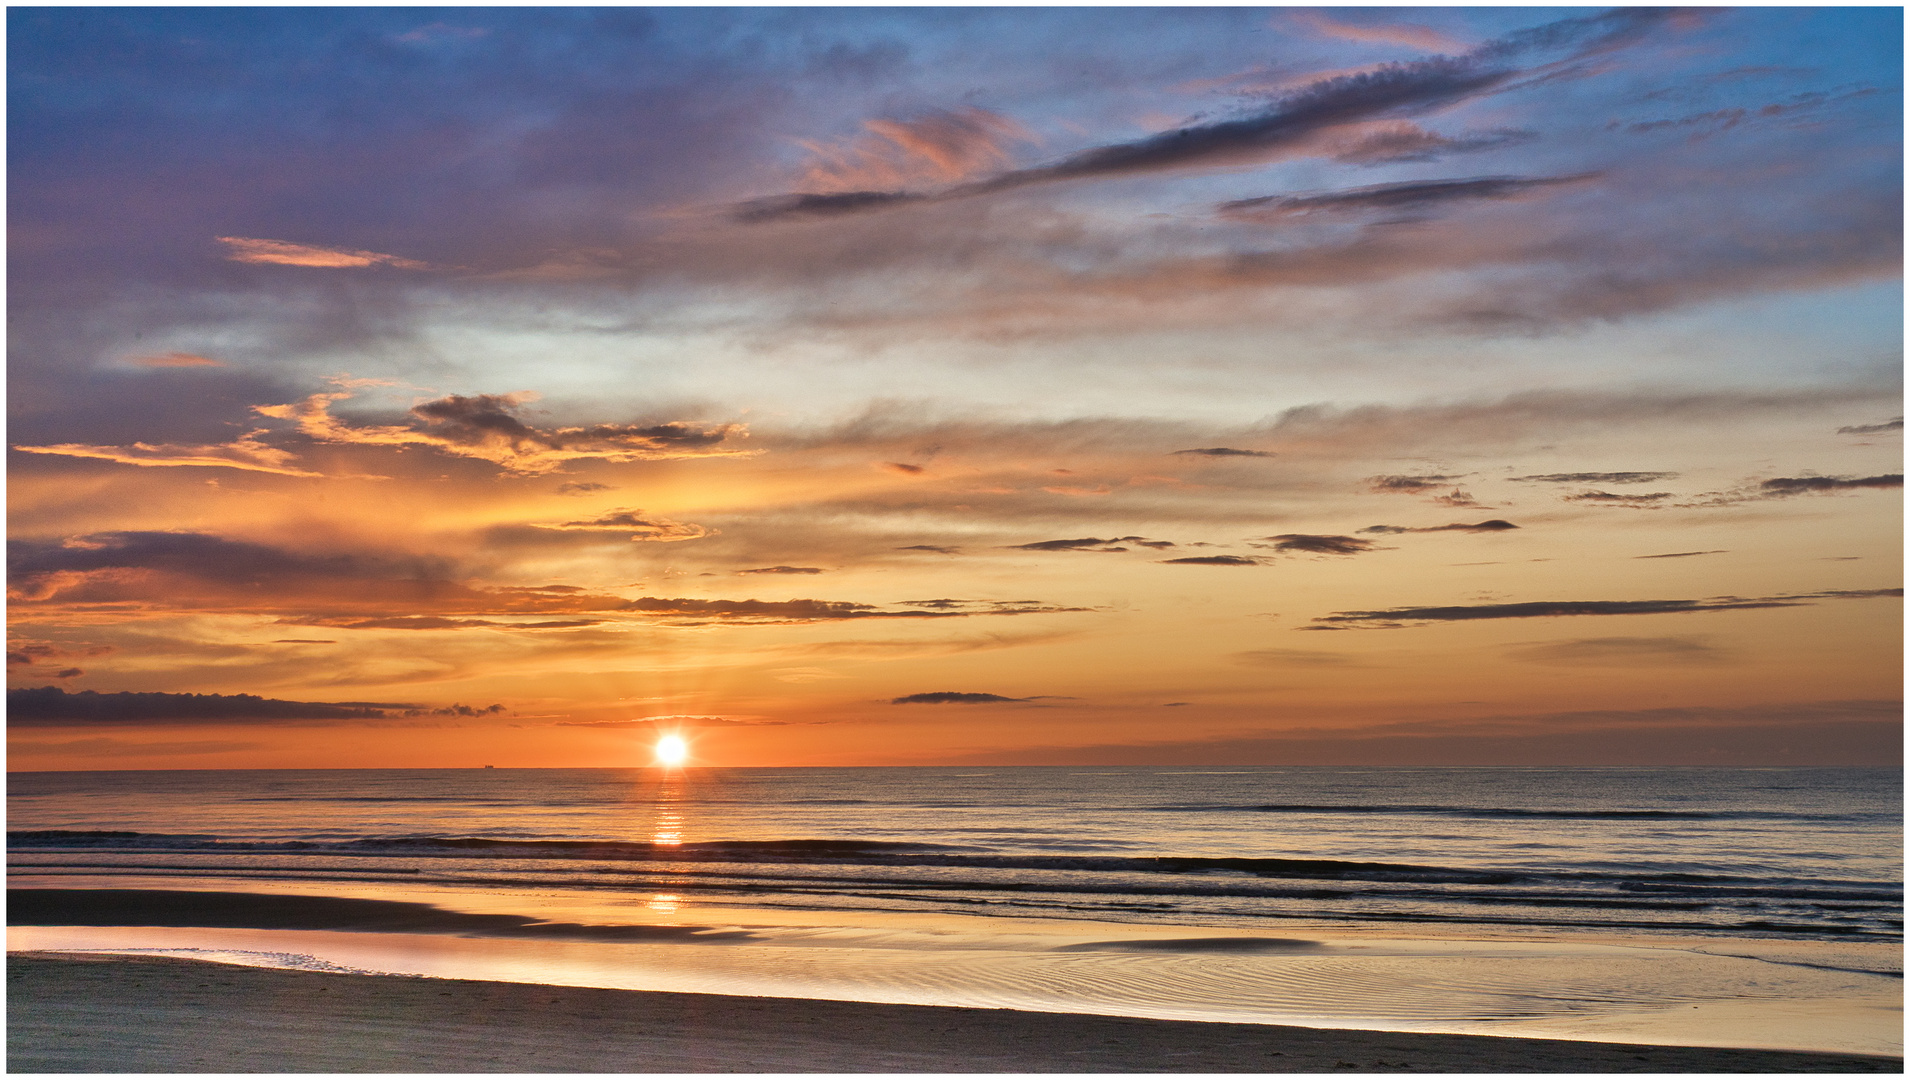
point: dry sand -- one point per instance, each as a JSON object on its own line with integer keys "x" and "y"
{"x": 81, "y": 1013}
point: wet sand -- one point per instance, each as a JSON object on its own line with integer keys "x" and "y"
{"x": 100, "y": 1013}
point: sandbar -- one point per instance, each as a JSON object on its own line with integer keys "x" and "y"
{"x": 116, "y": 1013}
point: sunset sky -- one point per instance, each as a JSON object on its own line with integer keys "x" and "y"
{"x": 924, "y": 386}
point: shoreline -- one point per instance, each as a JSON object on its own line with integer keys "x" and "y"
{"x": 71, "y": 1012}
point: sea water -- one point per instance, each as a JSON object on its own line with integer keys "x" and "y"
{"x": 1587, "y": 902}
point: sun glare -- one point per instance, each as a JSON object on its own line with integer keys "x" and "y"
{"x": 672, "y": 751}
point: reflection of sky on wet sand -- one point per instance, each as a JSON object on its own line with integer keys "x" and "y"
{"x": 1661, "y": 991}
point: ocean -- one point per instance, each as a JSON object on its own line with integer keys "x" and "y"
{"x": 1222, "y": 893}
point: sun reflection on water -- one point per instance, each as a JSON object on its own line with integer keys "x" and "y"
{"x": 667, "y": 827}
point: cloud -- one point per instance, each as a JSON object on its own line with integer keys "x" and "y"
{"x": 1680, "y": 554}
{"x": 50, "y": 706}
{"x": 1413, "y": 197}
{"x": 1894, "y": 424}
{"x": 1706, "y": 124}
{"x": 1620, "y": 652}
{"x": 697, "y": 611}
{"x": 1408, "y": 485}
{"x": 1494, "y": 525}
{"x": 1088, "y": 543}
{"x": 41, "y": 654}
{"x": 1798, "y": 485}
{"x": 1288, "y": 125}
{"x": 19, "y": 658}
{"x": 1648, "y": 501}
{"x": 783, "y": 570}
{"x": 464, "y": 710}
{"x": 1225, "y": 451}
{"x": 594, "y": 149}
{"x": 582, "y": 488}
{"x": 904, "y": 468}
{"x": 1459, "y": 499}
{"x": 1598, "y": 477}
{"x": 248, "y": 250}
{"x": 1399, "y": 142}
{"x": 640, "y": 526}
{"x": 195, "y": 569}
{"x": 1394, "y": 618}
{"x": 1784, "y": 487}
{"x": 1389, "y": 91}
{"x": 950, "y": 697}
{"x": 937, "y": 549}
{"x": 103, "y": 747}
{"x": 984, "y": 607}
{"x": 1510, "y": 418}
{"x": 175, "y": 360}
{"x": 809, "y": 205}
{"x": 1324, "y": 545}
{"x": 998, "y": 485}
{"x": 483, "y": 426}
{"x": 180, "y": 571}
{"x": 1213, "y": 560}
{"x": 486, "y": 426}
{"x": 435, "y": 622}
{"x": 938, "y": 147}
{"x": 1410, "y": 35}
{"x": 247, "y": 453}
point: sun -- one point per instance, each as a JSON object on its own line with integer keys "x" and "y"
{"x": 672, "y": 751}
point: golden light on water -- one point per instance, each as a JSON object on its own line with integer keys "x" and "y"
{"x": 672, "y": 751}
{"x": 666, "y": 823}
{"x": 669, "y": 829}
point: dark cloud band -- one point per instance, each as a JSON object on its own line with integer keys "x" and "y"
{"x": 1796, "y": 485}
{"x": 1321, "y": 545}
{"x": 1597, "y": 478}
{"x": 1494, "y": 525}
{"x": 50, "y": 706}
{"x": 1416, "y": 196}
{"x": 1398, "y": 617}
{"x": 952, "y": 697}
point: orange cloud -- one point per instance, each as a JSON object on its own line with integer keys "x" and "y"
{"x": 941, "y": 147}
{"x": 247, "y": 249}
{"x": 246, "y": 452}
{"x": 1410, "y": 35}
{"x": 175, "y": 359}
{"x": 483, "y": 426}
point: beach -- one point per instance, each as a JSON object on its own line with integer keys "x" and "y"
{"x": 97, "y": 1013}
{"x": 1678, "y": 909}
